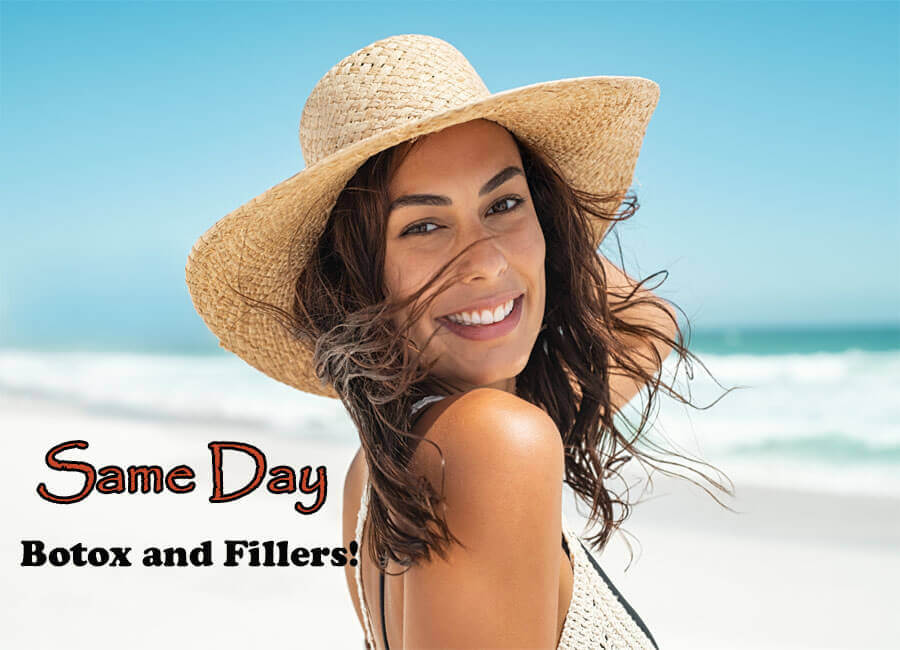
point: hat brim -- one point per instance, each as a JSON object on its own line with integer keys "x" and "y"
{"x": 592, "y": 127}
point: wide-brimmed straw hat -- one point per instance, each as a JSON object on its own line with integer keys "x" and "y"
{"x": 381, "y": 95}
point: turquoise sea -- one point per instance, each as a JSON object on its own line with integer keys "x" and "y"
{"x": 818, "y": 407}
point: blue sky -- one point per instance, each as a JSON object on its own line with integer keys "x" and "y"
{"x": 768, "y": 178}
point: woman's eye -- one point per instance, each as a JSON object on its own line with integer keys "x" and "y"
{"x": 414, "y": 229}
{"x": 506, "y": 204}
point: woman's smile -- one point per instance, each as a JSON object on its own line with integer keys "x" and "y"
{"x": 485, "y": 331}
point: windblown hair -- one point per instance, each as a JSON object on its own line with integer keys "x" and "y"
{"x": 341, "y": 307}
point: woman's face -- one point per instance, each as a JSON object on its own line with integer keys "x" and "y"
{"x": 457, "y": 186}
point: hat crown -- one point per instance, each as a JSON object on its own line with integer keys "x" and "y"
{"x": 384, "y": 85}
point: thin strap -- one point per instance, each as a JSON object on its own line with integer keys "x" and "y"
{"x": 387, "y": 646}
{"x": 425, "y": 401}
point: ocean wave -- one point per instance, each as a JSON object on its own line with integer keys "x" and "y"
{"x": 193, "y": 389}
{"x": 826, "y": 447}
{"x": 801, "y": 413}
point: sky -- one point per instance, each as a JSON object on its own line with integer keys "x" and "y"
{"x": 767, "y": 181}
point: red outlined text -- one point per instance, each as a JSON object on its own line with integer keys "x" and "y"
{"x": 113, "y": 479}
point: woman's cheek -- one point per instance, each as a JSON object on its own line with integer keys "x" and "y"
{"x": 401, "y": 275}
{"x": 529, "y": 244}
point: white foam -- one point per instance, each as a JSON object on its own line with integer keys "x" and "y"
{"x": 847, "y": 401}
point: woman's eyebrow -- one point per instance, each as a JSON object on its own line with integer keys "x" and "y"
{"x": 439, "y": 199}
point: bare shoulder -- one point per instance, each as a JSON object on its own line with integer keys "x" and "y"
{"x": 492, "y": 431}
{"x": 504, "y": 467}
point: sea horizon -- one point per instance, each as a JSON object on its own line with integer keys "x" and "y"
{"x": 763, "y": 339}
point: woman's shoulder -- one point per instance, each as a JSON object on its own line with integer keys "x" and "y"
{"x": 501, "y": 497}
{"x": 488, "y": 432}
{"x": 474, "y": 426}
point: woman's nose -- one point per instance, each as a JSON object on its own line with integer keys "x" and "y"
{"x": 483, "y": 260}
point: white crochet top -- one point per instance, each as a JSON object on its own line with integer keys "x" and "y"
{"x": 598, "y": 617}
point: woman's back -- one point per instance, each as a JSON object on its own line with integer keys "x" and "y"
{"x": 508, "y": 480}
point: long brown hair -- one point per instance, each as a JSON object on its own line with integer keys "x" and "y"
{"x": 342, "y": 308}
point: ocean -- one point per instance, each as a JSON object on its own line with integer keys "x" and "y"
{"x": 818, "y": 408}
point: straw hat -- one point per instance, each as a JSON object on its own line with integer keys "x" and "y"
{"x": 385, "y": 93}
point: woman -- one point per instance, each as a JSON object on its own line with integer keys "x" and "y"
{"x": 435, "y": 268}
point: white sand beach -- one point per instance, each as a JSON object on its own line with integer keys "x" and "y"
{"x": 795, "y": 570}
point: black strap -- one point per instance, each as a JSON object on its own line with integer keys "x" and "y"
{"x": 628, "y": 608}
{"x": 383, "y": 625}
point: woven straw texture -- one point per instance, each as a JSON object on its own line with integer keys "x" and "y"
{"x": 383, "y": 94}
{"x": 596, "y": 619}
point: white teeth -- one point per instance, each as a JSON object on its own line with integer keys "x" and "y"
{"x": 485, "y": 316}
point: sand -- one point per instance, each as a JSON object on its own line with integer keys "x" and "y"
{"x": 795, "y": 570}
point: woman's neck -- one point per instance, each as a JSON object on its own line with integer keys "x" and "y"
{"x": 508, "y": 384}
{"x": 452, "y": 386}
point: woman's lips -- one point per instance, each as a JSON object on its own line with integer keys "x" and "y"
{"x": 486, "y": 332}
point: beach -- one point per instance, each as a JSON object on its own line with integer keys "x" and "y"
{"x": 795, "y": 570}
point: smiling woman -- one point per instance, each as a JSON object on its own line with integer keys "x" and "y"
{"x": 442, "y": 279}
{"x": 441, "y": 183}
{"x": 516, "y": 324}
